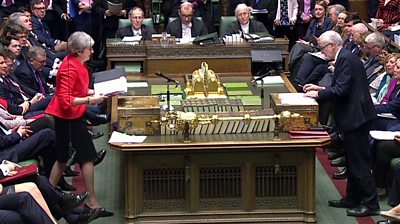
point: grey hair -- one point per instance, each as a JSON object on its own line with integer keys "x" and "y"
{"x": 35, "y": 51}
{"x": 376, "y": 38}
{"x": 241, "y": 6}
{"x": 338, "y": 8}
{"x": 359, "y": 28}
{"x": 136, "y": 9}
{"x": 331, "y": 37}
{"x": 15, "y": 18}
{"x": 78, "y": 41}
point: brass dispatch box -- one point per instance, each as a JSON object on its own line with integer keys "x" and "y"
{"x": 135, "y": 114}
{"x": 295, "y": 103}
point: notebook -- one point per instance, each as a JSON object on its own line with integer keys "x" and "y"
{"x": 22, "y": 172}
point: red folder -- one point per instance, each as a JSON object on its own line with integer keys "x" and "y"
{"x": 308, "y": 134}
{"x": 22, "y": 172}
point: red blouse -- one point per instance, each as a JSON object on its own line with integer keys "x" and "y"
{"x": 72, "y": 81}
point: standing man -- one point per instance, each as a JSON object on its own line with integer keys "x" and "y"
{"x": 353, "y": 113}
{"x": 186, "y": 26}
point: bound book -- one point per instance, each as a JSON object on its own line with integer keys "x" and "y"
{"x": 308, "y": 134}
{"x": 22, "y": 172}
{"x": 110, "y": 82}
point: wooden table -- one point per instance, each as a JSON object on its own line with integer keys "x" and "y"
{"x": 246, "y": 178}
{"x": 180, "y": 59}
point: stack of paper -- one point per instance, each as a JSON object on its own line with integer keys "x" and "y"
{"x": 384, "y": 135}
{"x": 271, "y": 80}
{"x": 296, "y": 99}
{"x": 118, "y": 137}
{"x": 110, "y": 82}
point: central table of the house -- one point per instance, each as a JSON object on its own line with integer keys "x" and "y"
{"x": 263, "y": 177}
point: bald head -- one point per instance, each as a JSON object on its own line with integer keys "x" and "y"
{"x": 186, "y": 12}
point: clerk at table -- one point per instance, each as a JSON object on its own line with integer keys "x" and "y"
{"x": 137, "y": 28}
{"x": 186, "y": 26}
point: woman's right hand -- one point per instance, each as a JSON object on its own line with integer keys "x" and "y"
{"x": 97, "y": 99}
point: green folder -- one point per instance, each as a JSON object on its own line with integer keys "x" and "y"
{"x": 249, "y": 100}
{"x": 236, "y": 86}
{"x": 162, "y": 89}
{"x": 239, "y": 93}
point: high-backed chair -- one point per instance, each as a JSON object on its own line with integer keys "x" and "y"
{"x": 170, "y": 19}
{"x": 127, "y": 22}
{"x": 223, "y": 25}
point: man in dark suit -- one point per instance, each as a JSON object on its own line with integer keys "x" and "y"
{"x": 29, "y": 73}
{"x": 244, "y": 24}
{"x": 137, "y": 28}
{"x": 266, "y": 18}
{"x": 186, "y": 26}
{"x": 353, "y": 112}
{"x": 21, "y": 100}
{"x": 67, "y": 25}
{"x": 41, "y": 29}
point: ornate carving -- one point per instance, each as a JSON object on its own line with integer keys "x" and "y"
{"x": 220, "y": 204}
{"x": 163, "y": 205}
{"x": 276, "y": 202}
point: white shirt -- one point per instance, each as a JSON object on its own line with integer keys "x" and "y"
{"x": 187, "y": 31}
{"x": 245, "y": 27}
{"x": 137, "y": 32}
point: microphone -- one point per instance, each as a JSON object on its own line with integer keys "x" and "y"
{"x": 270, "y": 72}
{"x": 160, "y": 74}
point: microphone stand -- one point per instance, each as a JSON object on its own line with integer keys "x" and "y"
{"x": 261, "y": 94}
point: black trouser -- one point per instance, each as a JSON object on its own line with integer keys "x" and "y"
{"x": 21, "y": 208}
{"x": 386, "y": 151}
{"x": 360, "y": 182}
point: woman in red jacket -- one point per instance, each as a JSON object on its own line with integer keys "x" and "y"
{"x": 68, "y": 107}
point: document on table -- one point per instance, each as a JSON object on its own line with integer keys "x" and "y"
{"x": 296, "y": 99}
{"x": 118, "y": 137}
{"x": 383, "y": 135}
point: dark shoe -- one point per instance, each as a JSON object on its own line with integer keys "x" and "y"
{"x": 342, "y": 203}
{"x": 89, "y": 215}
{"x": 334, "y": 155}
{"x": 65, "y": 186}
{"x": 68, "y": 172}
{"x": 96, "y": 135}
{"x": 71, "y": 201}
{"x": 103, "y": 211}
{"x": 100, "y": 119}
{"x": 100, "y": 156}
{"x": 341, "y": 161}
{"x": 340, "y": 175}
{"x": 361, "y": 211}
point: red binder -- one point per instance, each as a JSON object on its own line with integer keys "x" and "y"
{"x": 308, "y": 134}
{"x": 22, "y": 172}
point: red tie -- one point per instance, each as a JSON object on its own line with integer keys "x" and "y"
{"x": 9, "y": 2}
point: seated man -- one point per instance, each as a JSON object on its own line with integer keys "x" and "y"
{"x": 137, "y": 28}
{"x": 186, "y": 26}
{"x": 29, "y": 73}
{"x": 244, "y": 24}
{"x": 21, "y": 100}
{"x": 39, "y": 28}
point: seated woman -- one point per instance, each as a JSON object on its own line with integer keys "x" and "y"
{"x": 318, "y": 25}
{"x": 390, "y": 103}
{"x": 379, "y": 86}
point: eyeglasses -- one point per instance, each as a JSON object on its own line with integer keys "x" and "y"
{"x": 322, "y": 48}
{"x": 41, "y": 62}
{"x": 187, "y": 16}
{"x": 40, "y": 8}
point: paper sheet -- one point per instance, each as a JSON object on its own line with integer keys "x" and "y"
{"x": 296, "y": 99}
{"x": 118, "y": 137}
{"x": 384, "y": 135}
